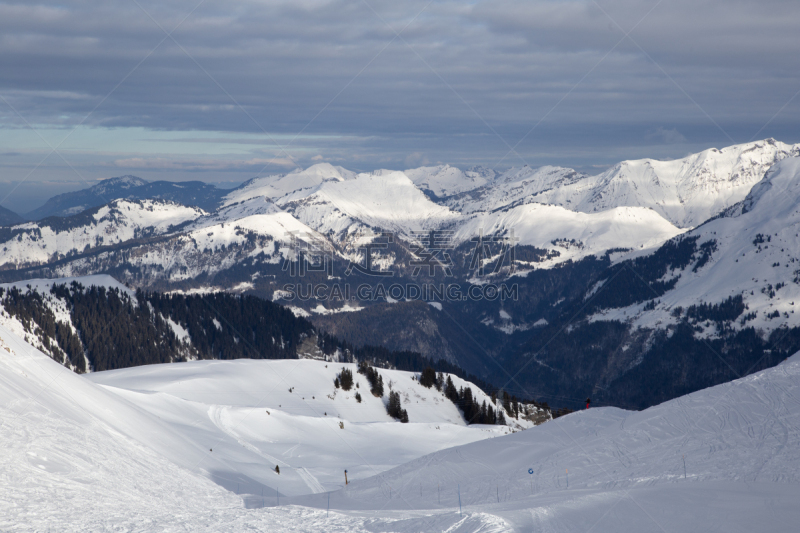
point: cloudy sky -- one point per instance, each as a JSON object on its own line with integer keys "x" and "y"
{"x": 224, "y": 91}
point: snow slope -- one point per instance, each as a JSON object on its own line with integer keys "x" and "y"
{"x": 244, "y": 411}
{"x": 687, "y": 191}
{"x": 82, "y": 457}
{"x": 280, "y": 185}
{"x": 389, "y": 201}
{"x": 606, "y": 469}
{"x": 444, "y": 180}
{"x": 539, "y": 225}
{"x": 119, "y": 221}
{"x": 765, "y": 274}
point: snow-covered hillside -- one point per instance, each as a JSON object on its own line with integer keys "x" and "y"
{"x": 606, "y": 469}
{"x": 754, "y": 256}
{"x": 78, "y": 456}
{"x": 573, "y": 235}
{"x": 119, "y": 221}
{"x": 259, "y": 414}
{"x": 687, "y": 191}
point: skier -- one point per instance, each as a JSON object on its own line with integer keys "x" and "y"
{"x": 588, "y": 401}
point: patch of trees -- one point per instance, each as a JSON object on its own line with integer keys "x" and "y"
{"x": 373, "y": 377}
{"x": 345, "y": 379}
{"x": 116, "y": 330}
{"x": 428, "y": 377}
{"x": 226, "y": 326}
{"x": 640, "y": 279}
{"x": 532, "y": 254}
{"x": 58, "y": 339}
{"x": 395, "y": 408}
{"x": 729, "y": 309}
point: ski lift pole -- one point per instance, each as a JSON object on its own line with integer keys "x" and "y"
{"x": 459, "y": 500}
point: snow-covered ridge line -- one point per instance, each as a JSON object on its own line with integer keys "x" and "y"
{"x": 754, "y": 258}
{"x": 117, "y": 222}
{"x": 333, "y": 204}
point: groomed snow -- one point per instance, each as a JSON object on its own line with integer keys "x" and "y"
{"x": 245, "y": 411}
{"x": 82, "y": 457}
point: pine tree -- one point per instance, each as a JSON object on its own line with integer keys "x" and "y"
{"x": 428, "y": 377}
{"x": 346, "y": 379}
{"x": 395, "y": 408}
{"x": 450, "y": 391}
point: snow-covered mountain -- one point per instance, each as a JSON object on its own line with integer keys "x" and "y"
{"x": 190, "y": 193}
{"x": 114, "y": 223}
{"x": 687, "y": 191}
{"x": 444, "y": 180}
{"x": 339, "y": 204}
{"x": 572, "y": 235}
{"x": 280, "y": 185}
{"x": 753, "y": 255}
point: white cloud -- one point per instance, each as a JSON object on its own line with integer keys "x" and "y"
{"x": 666, "y": 136}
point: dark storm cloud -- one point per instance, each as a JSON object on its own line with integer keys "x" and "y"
{"x": 460, "y": 72}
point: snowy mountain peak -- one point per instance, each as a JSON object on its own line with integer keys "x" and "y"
{"x": 279, "y": 185}
{"x": 118, "y": 183}
{"x": 390, "y": 201}
{"x": 685, "y": 191}
{"x": 444, "y": 180}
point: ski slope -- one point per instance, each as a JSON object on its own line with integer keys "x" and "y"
{"x": 606, "y": 469}
{"x": 78, "y": 456}
{"x": 244, "y": 410}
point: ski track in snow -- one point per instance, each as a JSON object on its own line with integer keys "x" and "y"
{"x": 309, "y": 479}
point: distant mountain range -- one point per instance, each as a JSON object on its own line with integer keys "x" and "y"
{"x": 678, "y": 273}
{"x": 190, "y": 193}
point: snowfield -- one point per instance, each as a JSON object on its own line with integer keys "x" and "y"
{"x": 244, "y": 410}
{"x": 78, "y": 456}
{"x": 540, "y": 225}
